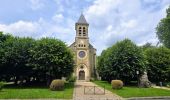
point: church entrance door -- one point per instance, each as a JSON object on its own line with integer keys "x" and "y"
{"x": 81, "y": 75}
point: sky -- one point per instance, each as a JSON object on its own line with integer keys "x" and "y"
{"x": 109, "y": 20}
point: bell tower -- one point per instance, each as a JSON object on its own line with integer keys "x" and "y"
{"x": 81, "y": 28}
{"x": 85, "y": 54}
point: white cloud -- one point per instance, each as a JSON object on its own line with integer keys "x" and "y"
{"x": 41, "y": 28}
{"x": 60, "y": 7}
{"x": 58, "y": 18}
{"x": 129, "y": 24}
{"x": 114, "y": 20}
{"x": 37, "y": 4}
{"x": 21, "y": 28}
{"x": 109, "y": 28}
{"x": 109, "y": 21}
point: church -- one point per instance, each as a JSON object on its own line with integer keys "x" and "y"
{"x": 84, "y": 52}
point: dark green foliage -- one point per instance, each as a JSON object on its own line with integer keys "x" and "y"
{"x": 121, "y": 61}
{"x": 57, "y": 85}
{"x": 40, "y": 60}
{"x": 51, "y": 59}
{"x": 17, "y": 56}
{"x": 158, "y": 64}
{"x": 14, "y": 59}
{"x": 163, "y": 30}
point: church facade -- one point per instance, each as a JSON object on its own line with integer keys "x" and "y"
{"x": 84, "y": 52}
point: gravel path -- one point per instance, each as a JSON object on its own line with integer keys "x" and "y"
{"x": 85, "y": 91}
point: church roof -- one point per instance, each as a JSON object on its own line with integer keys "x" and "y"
{"x": 82, "y": 20}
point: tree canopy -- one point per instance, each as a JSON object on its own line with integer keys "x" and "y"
{"x": 51, "y": 58}
{"x": 121, "y": 61}
{"x": 163, "y": 29}
{"x": 158, "y": 64}
{"x": 26, "y": 58}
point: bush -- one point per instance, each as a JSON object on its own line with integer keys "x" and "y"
{"x": 117, "y": 84}
{"x": 72, "y": 79}
{"x": 1, "y": 85}
{"x": 168, "y": 85}
{"x": 57, "y": 85}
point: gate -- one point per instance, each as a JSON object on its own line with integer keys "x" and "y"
{"x": 95, "y": 90}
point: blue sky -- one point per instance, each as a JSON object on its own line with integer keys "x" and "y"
{"x": 110, "y": 20}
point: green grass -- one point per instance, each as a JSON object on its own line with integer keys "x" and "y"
{"x": 36, "y": 92}
{"x": 129, "y": 91}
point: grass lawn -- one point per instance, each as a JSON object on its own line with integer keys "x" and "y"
{"x": 127, "y": 92}
{"x": 36, "y": 92}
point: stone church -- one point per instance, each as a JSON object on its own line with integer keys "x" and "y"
{"x": 84, "y": 52}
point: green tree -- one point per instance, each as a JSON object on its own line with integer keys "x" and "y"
{"x": 26, "y": 58}
{"x": 121, "y": 61}
{"x": 163, "y": 30}
{"x": 51, "y": 59}
{"x": 3, "y": 72}
{"x": 158, "y": 64}
{"x": 103, "y": 68}
{"x": 15, "y": 58}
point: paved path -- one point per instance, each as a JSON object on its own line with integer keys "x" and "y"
{"x": 161, "y": 87}
{"x": 89, "y": 95}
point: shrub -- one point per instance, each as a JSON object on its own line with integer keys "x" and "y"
{"x": 117, "y": 84}
{"x": 1, "y": 85}
{"x": 168, "y": 85}
{"x": 72, "y": 79}
{"x": 57, "y": 85}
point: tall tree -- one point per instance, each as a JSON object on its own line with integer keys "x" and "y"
{"x": 51, "y": 59}
{"x": 163, "y": 29}
{"x": 16, "y": 57}
{"x": 3, "y": 70}
{"x": 121, "y": 61}
{"x": 158, "y": 64}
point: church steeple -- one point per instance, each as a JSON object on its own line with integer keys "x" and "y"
{"x": 82, "y": 20}
{"x": 85, "y": 54}
{"x": 81, "y": 27}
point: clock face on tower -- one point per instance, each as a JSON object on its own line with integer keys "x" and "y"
{"x": 82, "y": 54}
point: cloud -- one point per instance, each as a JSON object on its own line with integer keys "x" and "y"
{"x": 37, "y": 4}
{"x": 42, "y": 28}
{"x": 21, "y": 28}
{"x": 109, "y": 20}
{"x": 58, "y": 18}
{"x": 115, "y": 20}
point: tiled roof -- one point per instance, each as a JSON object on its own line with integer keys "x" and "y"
{"x": 82, "y": 20}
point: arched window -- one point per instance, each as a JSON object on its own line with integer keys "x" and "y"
{"x": 79, "y": 32}
{"x": 84, "y": 31}
{"x": 84, "y": 34}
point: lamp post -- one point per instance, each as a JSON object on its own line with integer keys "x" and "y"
{"x": 137, "y": 72}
